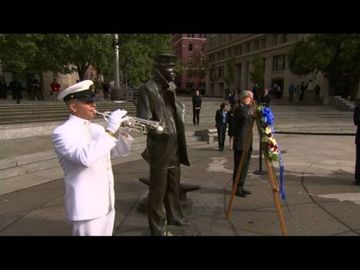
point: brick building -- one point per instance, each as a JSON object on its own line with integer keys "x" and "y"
{"x": 190, "y": 49}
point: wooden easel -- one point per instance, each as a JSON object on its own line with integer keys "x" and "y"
{"x": 271, "y": 176}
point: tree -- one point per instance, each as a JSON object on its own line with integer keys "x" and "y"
{"x": 54, "y": 52}
{"x": 257, "y": 74}
{"x": 67, "y": 53}
{"x": 137, "y": 52}
{"x": 337, "y": 56}
{"x": 16, "y": 51}
{"x": 229, "y": 74}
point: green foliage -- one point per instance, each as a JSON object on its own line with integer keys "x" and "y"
{"x": 337, "y": 56}
{"x": 137, "y": 52}
{"x": 67, "y": 53}
{"x": 16, "y": 51}
{"x": 257, "y": 74}
{"x": 229, "y": 72}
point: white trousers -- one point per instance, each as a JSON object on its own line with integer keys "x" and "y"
{"x": 102, "y": 226}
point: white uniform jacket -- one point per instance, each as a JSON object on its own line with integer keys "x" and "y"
{"x": 83, "y": 149}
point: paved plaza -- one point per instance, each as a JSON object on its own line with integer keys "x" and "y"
{"x": 319, "y": 174}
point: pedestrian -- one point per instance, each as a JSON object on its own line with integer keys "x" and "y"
{"x": 243, "y": 119}
{"x": 3, "y": 88}
{"x": 230, "y": 121}
{"x": 16, "y": 89}
{"x": 221, "y": 124}
{"x": 317, "y": 93}
{"x": 84, "y": 149}
{"x": 266, "y": 98}
{"x": 303, "y": 88}
{"x": 55, "y": 88}
{"x": 106, "y": 90}
{"x": 357, "y": 142}
{"x": 165, "y": 151}
{"x": 292, "y": 90}
{"x": 196, "y": 103}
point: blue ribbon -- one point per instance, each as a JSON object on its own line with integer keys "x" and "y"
{"x": 268, "y": 118}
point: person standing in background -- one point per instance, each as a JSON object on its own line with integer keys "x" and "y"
{"x": 220, "y": 124}
{"x": 230, "y": 121}
{"x": 3, "y": 88}
{"x": 357, "y": 142}
{"x": 55, "y": 88}
{"x": 196, "y": 103}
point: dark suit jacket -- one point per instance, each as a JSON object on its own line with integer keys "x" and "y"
{"x": 242, "y": 127}
{"x": 196, "y": 101}
{"x": 219, "y": 118}
{"x": 151, "y": 105}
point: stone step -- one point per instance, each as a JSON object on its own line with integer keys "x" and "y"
{"x": 45, "y": 160}
{"x": 15, "y": 114}
{"x": 11, "y": 172}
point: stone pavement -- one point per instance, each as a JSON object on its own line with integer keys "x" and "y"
{"x": 319, "y": 170}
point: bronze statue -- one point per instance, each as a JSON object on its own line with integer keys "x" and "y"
{"x": 166, "y": 151}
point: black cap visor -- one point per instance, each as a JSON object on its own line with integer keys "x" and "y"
{"x": 85, "y": 96}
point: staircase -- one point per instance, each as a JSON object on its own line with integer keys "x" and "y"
{"x": 50, "y": 111}
{"x": 343, "y": 103}
{"x": 27, "y": 157}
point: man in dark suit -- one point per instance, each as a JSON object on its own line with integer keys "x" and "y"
{"x": 221, "y": 119}
{"x": 196, "y": 103}
{"x": 166, "y": 151}
{"x": 243, "y": 119}
{"x": 357, "y": 142}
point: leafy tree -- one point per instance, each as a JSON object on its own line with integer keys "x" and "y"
{"x": 337, "y": 56}
{"x": 54, "y": 52}
{"x": 67, "y": 53}
{"x": 137, "y": 52}
{"x": 16, "y": 51}
{"x": 257, "y": 74}
{"x": 229, "y": 74}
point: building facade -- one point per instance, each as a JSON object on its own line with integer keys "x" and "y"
{"x": 190, "y": 50}
{"x": 239, "y": 50}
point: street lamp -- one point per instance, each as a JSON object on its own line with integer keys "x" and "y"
{"x": 117, "y": 71}
{"x": 115, "y": 92}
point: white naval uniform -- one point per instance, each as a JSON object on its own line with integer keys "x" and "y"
{"x": 83, "y": 149}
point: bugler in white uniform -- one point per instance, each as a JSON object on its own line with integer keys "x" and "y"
{"x": 84, "y": 151}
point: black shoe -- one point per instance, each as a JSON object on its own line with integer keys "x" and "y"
{"x": 246, "y": 191}
{"x": 180, "y": 222}
{"x": 240, "y": 193}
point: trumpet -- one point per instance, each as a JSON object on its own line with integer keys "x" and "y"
{"x": 138, "y": 124}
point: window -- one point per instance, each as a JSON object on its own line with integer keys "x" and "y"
{"x": 190, "y": 60}
{"x": 279, "y": 62}
{"x": 284, "y": 38}
{"x": 274, "y": 39}
{"x": 190, "y": 47}
{"x": 247, "y": 47}
{"x": 256, "y": 44}
{"x": 263, "y": 43}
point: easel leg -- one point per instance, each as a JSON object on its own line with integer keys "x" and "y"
{"x": 275, "y": 190}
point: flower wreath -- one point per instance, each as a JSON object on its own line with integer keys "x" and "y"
{"x": 268, "y": 143}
